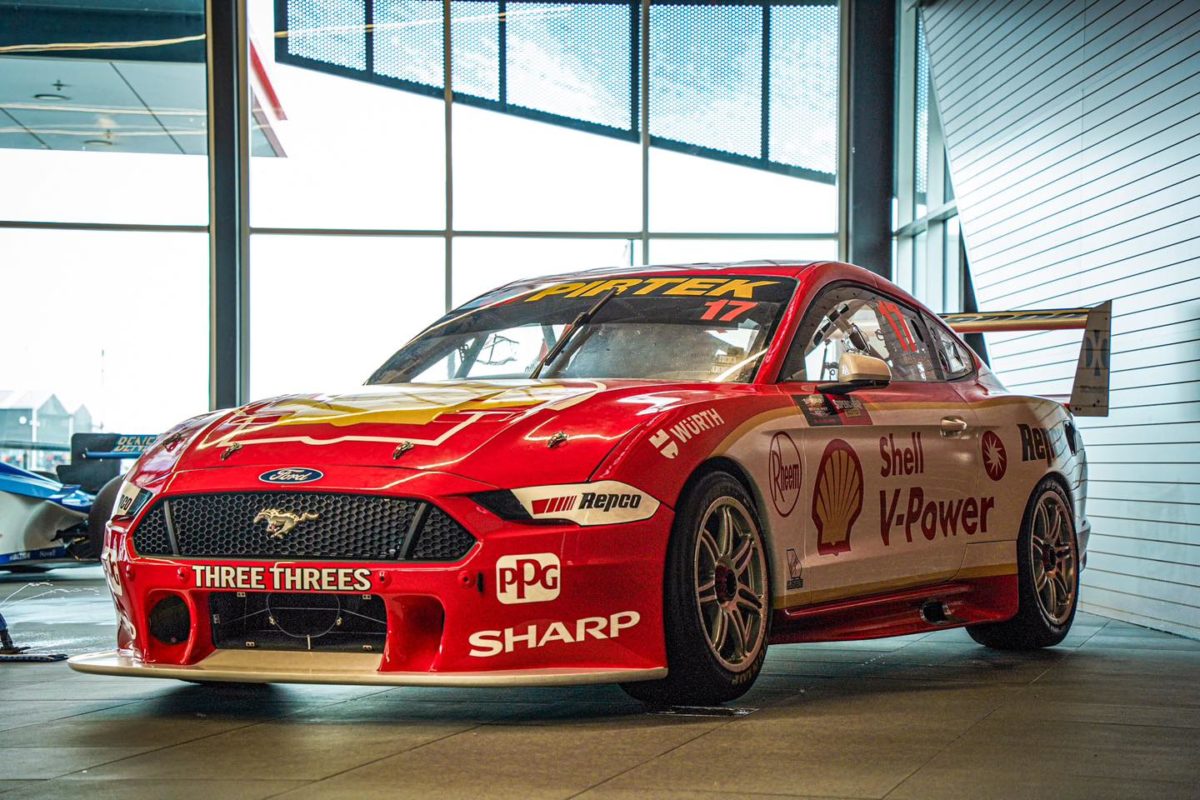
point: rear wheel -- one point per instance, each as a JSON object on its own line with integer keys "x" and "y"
{"x": 716, "y": 598}
{"x": 1048, "y": 576}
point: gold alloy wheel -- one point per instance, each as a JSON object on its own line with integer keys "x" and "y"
{"x": 1054, "y": 559}
{"x": 731, "y": 584}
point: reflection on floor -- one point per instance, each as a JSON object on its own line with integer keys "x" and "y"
{"x": 1113, "y": 713}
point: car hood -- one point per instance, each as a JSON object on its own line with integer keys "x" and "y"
{"x": 502, "y": 433}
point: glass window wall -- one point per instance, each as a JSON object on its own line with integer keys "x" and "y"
{"x": 349, "y": 153}
{"x": 485, "y": 263}
{"x": 928, "y": 244}
{"x": 109, "y": 328}
{"x": 328, "y": 310}
{"x": 572, "y": 135}
{"x": 542, "y": 155}
{"x": 103, "y": 221}
{"x": 97, "y": 133}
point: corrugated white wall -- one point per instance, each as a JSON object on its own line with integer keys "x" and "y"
{"x": 1073, "y": 131}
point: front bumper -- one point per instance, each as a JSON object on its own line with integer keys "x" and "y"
{"x": 342, "y": 668}
{"x": 446, "y": 624}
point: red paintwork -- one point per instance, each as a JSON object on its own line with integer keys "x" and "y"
{"x": 990, "y": 599}
{"x": 260, "y": 69}
{"x": 433, "y": 608}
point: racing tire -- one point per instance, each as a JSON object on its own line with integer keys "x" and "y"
{"x": 716, "y": 598}
{"x": 1047, "y": 576}
{"x": 102, "y": 508}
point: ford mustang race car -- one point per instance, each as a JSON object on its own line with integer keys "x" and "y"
{"x": 641, "y": 476}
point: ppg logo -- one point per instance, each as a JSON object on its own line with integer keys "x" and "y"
{"x": 527, "y": 579}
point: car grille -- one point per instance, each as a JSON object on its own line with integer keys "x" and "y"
{"x": 346, "y": 527}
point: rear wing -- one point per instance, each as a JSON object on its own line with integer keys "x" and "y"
{"x": 96, "y": 457}
{"x": 1089, "y": 392}
{"x": 111, "y": 445}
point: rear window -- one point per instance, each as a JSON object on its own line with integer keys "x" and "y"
{"x": 953, "y": 357}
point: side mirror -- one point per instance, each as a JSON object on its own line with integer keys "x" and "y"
{"x": 858, "y": 371}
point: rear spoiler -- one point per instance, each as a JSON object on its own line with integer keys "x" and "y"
{"x": 112, "y": 445}
{"x": 1089, "y": 393}
{"x": 96, "y": 457}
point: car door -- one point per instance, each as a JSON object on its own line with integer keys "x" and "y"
{"x": 888, "y": 469}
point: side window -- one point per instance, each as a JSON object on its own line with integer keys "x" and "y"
{"x": 899, "y": 339}
{"x": 855, "y": 319}
{"x": 955, "y": 360}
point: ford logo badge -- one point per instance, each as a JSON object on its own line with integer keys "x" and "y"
{"x": 292, "y": 475}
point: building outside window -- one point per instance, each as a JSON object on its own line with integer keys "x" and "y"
{"x": 928, "y": 245}
{"x": 103, "y": 220}
{"x": 573, "y": 139}
{"x": 571, "y": 135}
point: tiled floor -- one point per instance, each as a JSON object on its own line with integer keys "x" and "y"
{"x": 1114, "y": 712}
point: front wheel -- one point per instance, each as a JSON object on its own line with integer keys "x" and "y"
{"x": 717, "y": 610}
{"x": 1048, "y": 576}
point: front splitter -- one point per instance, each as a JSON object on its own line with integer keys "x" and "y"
{"x": 239, "y": 666}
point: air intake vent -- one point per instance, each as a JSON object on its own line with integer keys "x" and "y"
{"x": 440, "y": 538}
{"x": 291, "y": 621}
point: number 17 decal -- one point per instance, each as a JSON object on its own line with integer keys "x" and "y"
{"x": 736, "y": 309}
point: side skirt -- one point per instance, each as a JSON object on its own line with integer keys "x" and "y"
{"x": 917, "y": 610}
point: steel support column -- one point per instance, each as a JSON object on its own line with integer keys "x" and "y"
{"x": 228, "y": 201}
{"x": 865, "y": 151}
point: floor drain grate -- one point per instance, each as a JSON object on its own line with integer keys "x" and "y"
{"x": 32, "y": 658}
{"x": 702, "y": 711}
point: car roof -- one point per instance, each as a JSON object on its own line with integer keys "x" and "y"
{"x": 785, "y": 268}
{"x": 815, "y": 273}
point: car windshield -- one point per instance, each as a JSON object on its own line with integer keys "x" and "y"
{"x": 712, "y": 328}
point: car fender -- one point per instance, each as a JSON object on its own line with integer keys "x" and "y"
{"x": 1039, "y": 439}
{"x": 661, "y": 456}
{"x": 741, "y": 439}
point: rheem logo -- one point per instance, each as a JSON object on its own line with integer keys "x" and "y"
{"x": 527, "y": 579}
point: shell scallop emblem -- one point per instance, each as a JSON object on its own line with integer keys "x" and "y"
{"x": 837, "y": 497}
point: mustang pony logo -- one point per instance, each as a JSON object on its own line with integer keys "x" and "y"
{"x": 281, "y": 523}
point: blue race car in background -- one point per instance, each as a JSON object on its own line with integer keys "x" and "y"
{"x": 44, "y": 521}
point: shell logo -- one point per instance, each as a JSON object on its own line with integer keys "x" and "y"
{"x": 837, "y": 497}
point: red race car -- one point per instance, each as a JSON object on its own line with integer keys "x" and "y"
{"x": 641, "y": 476}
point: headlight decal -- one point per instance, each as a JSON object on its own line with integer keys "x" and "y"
{"x": 131, "y": 499}
{"x": 600, "y": 503}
